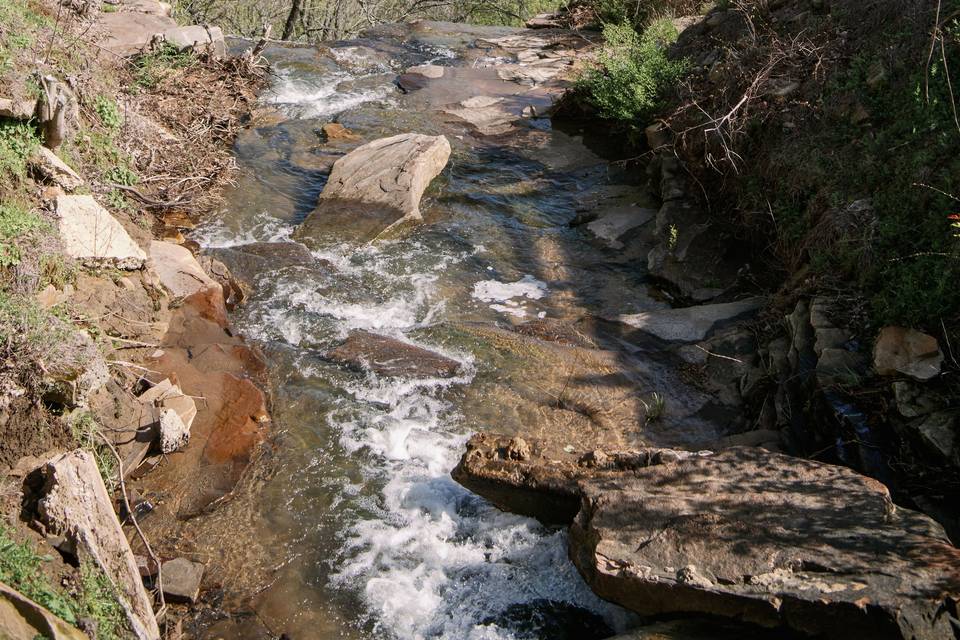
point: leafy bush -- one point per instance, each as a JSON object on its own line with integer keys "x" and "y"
{"x": 632, "y": 73}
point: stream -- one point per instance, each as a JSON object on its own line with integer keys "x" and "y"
{"x": 369, "y": 536}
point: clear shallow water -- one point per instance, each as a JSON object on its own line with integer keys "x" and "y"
{"x": 374, "y": 539}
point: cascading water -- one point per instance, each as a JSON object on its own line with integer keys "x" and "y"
{"x": 373, "y": 526}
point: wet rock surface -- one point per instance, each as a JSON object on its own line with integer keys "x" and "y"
{"x": 391, "y": 357}
{"x": 769, "y": 539}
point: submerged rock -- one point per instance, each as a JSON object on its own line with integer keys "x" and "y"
{"x": 690, "y": 324}
{"x": 377, "y": 186}
{"x": 391, "y": 357}
{"x": 181, "y": 579}
{"x": 768, "y": 539}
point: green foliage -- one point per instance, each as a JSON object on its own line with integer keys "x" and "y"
{"x": 121, "y": 174}
{"x": 150, "y": 69}
{"x": 903, "y": 253}
{"x": 108, "y": 112}
{"x": 16, "y": 224}
{"x": 19, "y": 22}
{"x": 18, "y": 141}
{"x": 632, "y": 73}
{"x": 21, "y": 567}
{"x": 98, "y": 600}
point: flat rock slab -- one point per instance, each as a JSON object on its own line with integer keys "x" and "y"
{"x": 50, "y": 168}
{"x": 377, "y": 186}
{"x": 540, "y": 478}
{"x": 907, "y": 351}
{"x": 179, "y": 270}
{"x": 90, "y": 234}
{"x": 768, "y": 539}
{"x": 611, "y": 224}
{"x": 387, "y": 356}
{"x": 690, "y": 324}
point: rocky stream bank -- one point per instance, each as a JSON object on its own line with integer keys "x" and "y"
{"x": 426, "y": 261}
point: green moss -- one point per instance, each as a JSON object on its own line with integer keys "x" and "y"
{"x": 632, "y": 73}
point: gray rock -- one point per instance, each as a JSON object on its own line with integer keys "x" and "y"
{"x": 17, "y": 109}
{"x": 776, "y": 541}
{"x": 126, "y": 33}
{"x": 90, "y": 234}
{"x": 77, "y": 369}
{"x": 75, "y": 505}
{"x": 181, "y": 580}
{"x": 940, "y": 433}
{"x": 50, "y": 168}
{"x": 377, "y": 186}
{"x": 913, "y": 401}
{"x": 690, "y": 324}
{"x": 613, "y": 222}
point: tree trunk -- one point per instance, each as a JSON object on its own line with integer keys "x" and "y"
{"x": 296, "y": 9}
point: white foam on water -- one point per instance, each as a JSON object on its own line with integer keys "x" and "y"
{"x": 494, "y": 290}
{"x": 265, "y": 228}
{"x": 317, "y": 97}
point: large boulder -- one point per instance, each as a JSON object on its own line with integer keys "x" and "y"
{"x": 179, "y": 271}
{"x": 90, "y": 234}
{"x": 768, "y": 539}
{"x": 377, "y": 186}
{"x": 391, "y": 357}
{"x": 76, "y": 505}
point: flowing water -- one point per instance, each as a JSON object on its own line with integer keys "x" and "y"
{"x": 369, "y": 535}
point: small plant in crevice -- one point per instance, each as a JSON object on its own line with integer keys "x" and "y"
{"x": 655, "y": 408}
{"x": 18, "y": 141}
{"x": 150, "y": 69}
{"x": 85, "y": 431}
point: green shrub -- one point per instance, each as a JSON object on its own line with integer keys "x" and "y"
{"x": 98, "y": 601}
{"x": 632, "y": 73}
